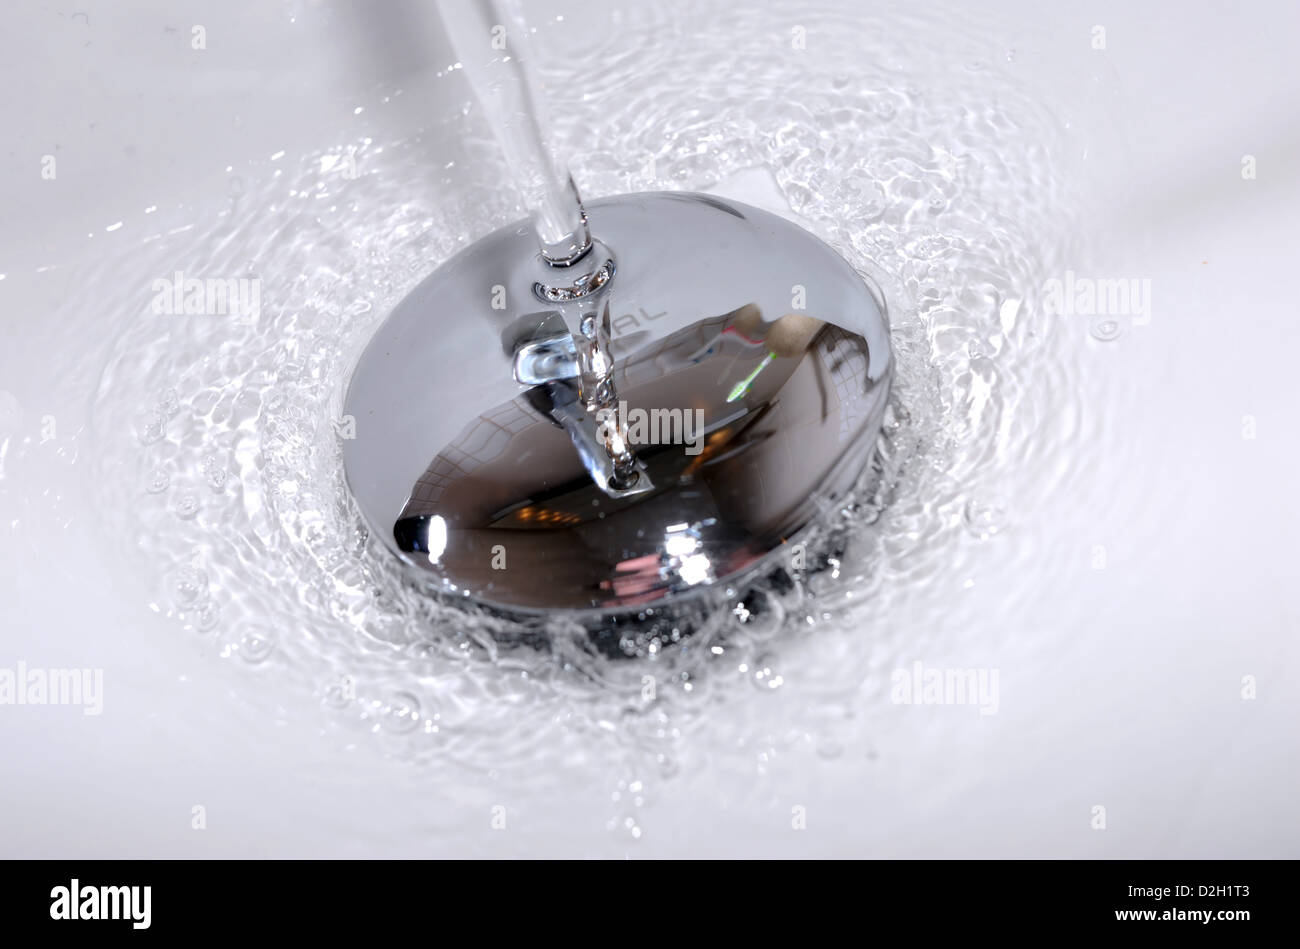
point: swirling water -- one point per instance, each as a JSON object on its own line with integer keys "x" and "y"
{"x": 916, "y": 148}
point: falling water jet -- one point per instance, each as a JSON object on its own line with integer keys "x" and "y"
{"x": 492, "y": 453}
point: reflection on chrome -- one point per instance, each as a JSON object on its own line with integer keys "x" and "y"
{"x": 682, "y": 561}
{"x": 436, "y": 541}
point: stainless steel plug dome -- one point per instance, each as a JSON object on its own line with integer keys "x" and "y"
{"x": 659, "y": 418}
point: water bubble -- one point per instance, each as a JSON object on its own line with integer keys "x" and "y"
{"x": 207, "y": 617}
{"x": 187, "y": 505}
{"x": 256, "y": 643}
{"x": 823, "y": 581}
{"x": 930, "y": 247}
{"x": 763, "y": 676}
{"x": 188, "y": 585}
{"x": 169, "y": 403}
{"x": 215, "y": 471}
{"x": 401, "y": 713}
{"x": 153, "y": 429}
{"x": 984, "y": 519}
{"x": 158, "y": 481}
{"x": 1106, "y": 328}
{"x": 761, "y": 613}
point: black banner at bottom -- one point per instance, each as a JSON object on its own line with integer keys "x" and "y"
{"x": 338, "y": 899}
